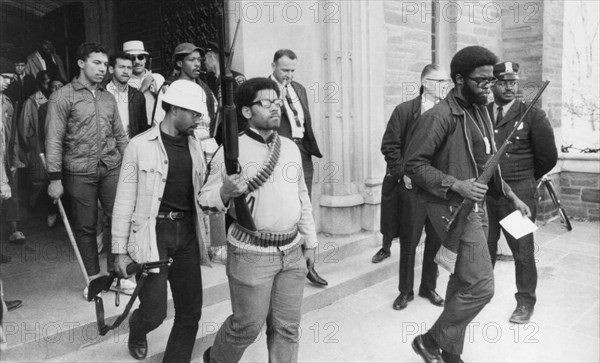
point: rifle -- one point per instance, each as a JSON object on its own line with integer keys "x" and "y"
{"x": 452, "y": 225}
{"x": 230, "y": 128}
{"x": 103, "y": 283}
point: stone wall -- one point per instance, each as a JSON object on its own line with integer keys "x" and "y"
{"x": 579, "y": 184}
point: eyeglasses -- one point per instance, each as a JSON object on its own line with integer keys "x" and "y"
{"x": 267, "y": 103}
{"x": 140, "y": 57}
{"x": 507, "y": 83}
{"x": 438, "y": 80}
{"x": 483, "y": 81}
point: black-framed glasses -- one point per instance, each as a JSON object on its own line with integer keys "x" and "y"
{"x": 267, "y": 103}
{"x": 507, "y": 83}
{"x": 140, "y": 57}
{"x": 483, "y": 81}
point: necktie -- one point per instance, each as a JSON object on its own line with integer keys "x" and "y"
{"x": 291, "y": 104}
{"x": 499, "y": 116}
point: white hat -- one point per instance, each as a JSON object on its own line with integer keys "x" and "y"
{"x": 134, "y": 47}
{"x": 188, "y": 95}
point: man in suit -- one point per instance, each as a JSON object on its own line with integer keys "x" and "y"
{"x": 296, "y": 121}
{"x": 130, "y": 101}
{"x": 532, "y": 154}
{"x": 44, "y": 59}
{"x": 23, "y": 85}
{"x": 403, "y": 211}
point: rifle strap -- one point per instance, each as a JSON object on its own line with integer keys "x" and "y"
{"x": 268, "y": 164}
{"x": 102, "y": 327}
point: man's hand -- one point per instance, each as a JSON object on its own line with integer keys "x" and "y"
{"x": 233, "y": 186}
{"x": 146, "y": 83}
{"x": 55, "y": 190}
{"x": 121, "y": 262}
{"x": 5, "y": 192}
{"x": 309, "y": 256}
{"x": 470, "y": 189}
{"x": 518, "y": 204}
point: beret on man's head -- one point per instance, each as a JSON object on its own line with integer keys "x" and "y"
{"x": 469, "y": 58}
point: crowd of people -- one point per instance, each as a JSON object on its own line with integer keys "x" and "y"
{"x": 141, "y": 158}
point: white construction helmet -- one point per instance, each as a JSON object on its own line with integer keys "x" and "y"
{"x": 188, "y": 95}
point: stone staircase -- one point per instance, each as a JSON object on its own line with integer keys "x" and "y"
{"x": 342, "y": 260}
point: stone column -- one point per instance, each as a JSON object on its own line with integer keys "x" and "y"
{"x": 353, "y": 70}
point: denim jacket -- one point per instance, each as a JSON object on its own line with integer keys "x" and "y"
{"x": 139, "y": 193}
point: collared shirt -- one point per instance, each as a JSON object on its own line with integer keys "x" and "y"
{"x": 279, "y": 204}
{"x": 426, "y": 104}
{"x": 297, "y": 131}
{"x": 505, "y": 109}
{"x": 122, "y": 98}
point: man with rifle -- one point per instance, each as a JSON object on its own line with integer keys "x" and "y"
{"x": 532, "y": 155}
{"x": 155, "y": 217}
{"x": 448, "y": 150}
{"x": 268, "y": 254}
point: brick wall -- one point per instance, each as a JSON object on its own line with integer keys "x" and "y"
{"x": 580, "y": 194}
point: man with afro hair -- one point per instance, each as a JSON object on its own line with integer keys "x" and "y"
{"x": 450, "y": 144}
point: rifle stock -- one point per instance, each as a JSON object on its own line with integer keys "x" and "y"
{"x": 230, "y": 128}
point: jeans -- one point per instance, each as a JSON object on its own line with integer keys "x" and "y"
{"x": 84, "y": 191}
{"x": 264, "y": 287}
{"x": 470, "y": 288}
{"x": 175, "y": 239}
{"x": 523, "y": 249}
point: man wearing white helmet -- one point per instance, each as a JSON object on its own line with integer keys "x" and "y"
{"x": 155, "y": 218}
{"x": 142, "y": 78}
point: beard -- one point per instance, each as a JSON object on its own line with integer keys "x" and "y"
{"x": 474, "y": 98}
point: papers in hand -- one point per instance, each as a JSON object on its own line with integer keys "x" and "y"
{"x": 518, "y": 225}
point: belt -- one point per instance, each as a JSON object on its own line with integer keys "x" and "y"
{"x": 264, "y": 239}
{"x": 171, "y": 215}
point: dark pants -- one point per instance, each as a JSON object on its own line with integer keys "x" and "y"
{"x": 471, "y": 286}
{"x": 523, "y": 249}
{"x": 413, "y": 216}
{"x": 177, "y": 240}
{"x": 391, "y": 209}
{"x": 84, "y": 192}
{"x": 307, "y": 166}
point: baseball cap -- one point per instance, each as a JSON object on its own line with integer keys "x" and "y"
{"x": 186, "y": 94}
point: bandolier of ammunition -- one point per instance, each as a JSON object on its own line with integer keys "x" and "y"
{"x": 268, "y": 165}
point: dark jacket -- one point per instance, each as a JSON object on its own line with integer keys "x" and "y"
{"x": 395, "y": 137}
{"x": 138, "y": 120}
{"x": 19, "y": 91}
{"x": 309, "y": 141}
{"x": 533, "y": 151}
{"x": 82, "y": 131}
{"x": 440, "y": 152}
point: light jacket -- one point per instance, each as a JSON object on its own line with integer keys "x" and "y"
{"x": 139, "y": 193}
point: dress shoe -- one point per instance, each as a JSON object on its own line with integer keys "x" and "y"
{"x": 206, "y": 355}
{"x": 314, "y": 277}
{"x": 13, "y": 304}
{"x": 451, "y": 358}
{"x": 138, "y": 348}
{"x": 380, "y": 256}
{"x": 521, "y": 315}
{"x": 428, "y": 355}
{"x": 402, "y": 300}
{"x": 432, "y": 296}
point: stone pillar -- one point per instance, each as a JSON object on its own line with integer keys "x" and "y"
{"x": 352, "y": 56}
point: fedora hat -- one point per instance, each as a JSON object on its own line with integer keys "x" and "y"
{"x": 134, "y": 47}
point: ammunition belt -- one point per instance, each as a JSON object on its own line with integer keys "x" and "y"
{"x": 268, "y": 165}
{"x": 264, "y": 239}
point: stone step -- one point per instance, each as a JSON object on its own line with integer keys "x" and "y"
{"x": 57, "y": 333}
{"x": 345, "y": 277}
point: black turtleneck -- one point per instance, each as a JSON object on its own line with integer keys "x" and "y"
{"x": 179, "y": 189}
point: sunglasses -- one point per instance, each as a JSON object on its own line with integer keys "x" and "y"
{"x": 140, "y": 57}
{"x": 267, "y": 103}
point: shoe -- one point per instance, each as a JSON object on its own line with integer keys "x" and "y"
{"x": 314, "y": 277}
{"x": 521, "y": 315}
{"x": 432, "y": 296}
{"x": 380, "y": 256}
{"x": 402, "y": 300}
{"x": 127, "y": 286}
{"x": 428, "y": 356}
{"x": 17, "y": 238}
{"x": 5, "y": 258}
{"x": 85, "y": 294}
{"x": 451, "y": 358}
{"x": 51, "y": 220}
{"x": 206, "y": 355}
{"x": 138, "y": 348}
{"x": 13, "y": 304}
